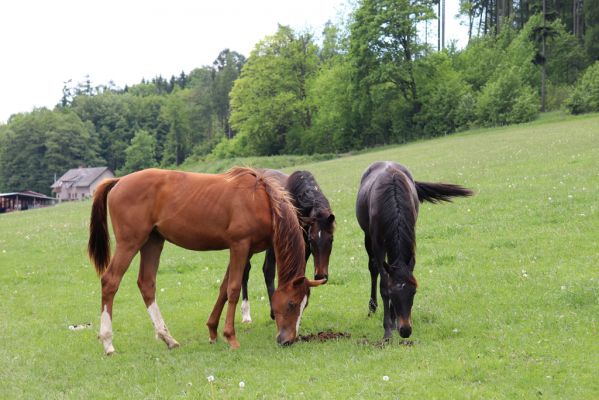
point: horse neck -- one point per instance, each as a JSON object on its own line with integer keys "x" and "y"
{"x": 288, "y": 240}
{"x": 399, "y": 221}
{"x": 308, "y": 197}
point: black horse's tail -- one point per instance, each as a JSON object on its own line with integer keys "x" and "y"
{"x": 437, "y": 192}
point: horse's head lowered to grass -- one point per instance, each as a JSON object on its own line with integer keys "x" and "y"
{"x": 288, "y": 303}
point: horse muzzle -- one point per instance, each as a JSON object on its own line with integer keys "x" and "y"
{"x": 319, "y": 277}
{"x": 284, "y": 341}
{"x": 405, "y": 327}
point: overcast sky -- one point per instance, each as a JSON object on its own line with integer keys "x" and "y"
{"x": 44, "y": 43}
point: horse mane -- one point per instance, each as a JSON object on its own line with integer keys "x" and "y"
{"x": 306, "y": 194}
{"x": 288, "y": 240}
{"x": 399, "y": 215}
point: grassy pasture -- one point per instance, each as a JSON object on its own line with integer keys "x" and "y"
{"x": 508, "y": 303}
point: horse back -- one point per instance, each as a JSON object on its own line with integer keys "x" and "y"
{"x": 370, "y": 203}
{"x": 192, "y": 210}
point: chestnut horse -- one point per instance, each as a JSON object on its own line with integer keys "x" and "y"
{"x": 318, "y": 224}
{"x": 241, "y": 210}
{"x": 387, "y": 209}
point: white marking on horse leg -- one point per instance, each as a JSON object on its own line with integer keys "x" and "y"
{"x": 246, "y": 318}
{"x": 299, "y": 319}
{"x": 105, "y": 335}
{"x": 160, "y": 326}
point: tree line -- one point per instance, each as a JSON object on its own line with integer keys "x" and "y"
{"x": 368, "y": 81}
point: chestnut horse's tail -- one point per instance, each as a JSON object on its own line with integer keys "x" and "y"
{"x": 98, "y": 247}
{"x": 436, "y": 192}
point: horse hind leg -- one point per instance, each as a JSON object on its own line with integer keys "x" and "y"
{"x": 146, "y": 281}
{"x": 246, "y": 317}
{"x": 110, "y": 282}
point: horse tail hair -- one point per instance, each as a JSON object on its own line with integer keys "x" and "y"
{"x": 98, "y": 247}
{"x": 437, "y": 192}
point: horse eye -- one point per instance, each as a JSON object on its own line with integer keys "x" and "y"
{"x": 291, "y": 305}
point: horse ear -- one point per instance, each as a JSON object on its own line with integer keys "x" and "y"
{"x": 316, "y": 283}
{"x": 297, "y": 282}
{"x": 331, "y": 218}
{"x": 305, "y": 221}
{"x": 412, "y": 280}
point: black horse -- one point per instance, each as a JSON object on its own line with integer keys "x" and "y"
{"x": 318, "y": 223}
{"x": 387, "y": 209}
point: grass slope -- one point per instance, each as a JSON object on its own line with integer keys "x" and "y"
{"x": 507, "y": 306}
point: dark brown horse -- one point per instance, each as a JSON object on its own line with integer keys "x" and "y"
{"x": 318, "y": 224}
{"x": 241, "y": 210}
{"x": 387, "y": 209}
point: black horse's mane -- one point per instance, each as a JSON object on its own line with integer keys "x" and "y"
{"x": 306, "y": 194}
{"x": 398, "y": 213}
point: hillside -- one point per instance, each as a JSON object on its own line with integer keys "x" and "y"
{"x": 506, "y": 308}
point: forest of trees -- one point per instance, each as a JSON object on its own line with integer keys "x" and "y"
{"x": 370, "y": 81}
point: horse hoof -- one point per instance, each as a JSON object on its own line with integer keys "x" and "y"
{"x": 372, "y": 306}
{"x": 234, "y": 344}
{"x": 173, "y": 345}
{"x": 246, "y": 321}
{"x": 212, "y": 341}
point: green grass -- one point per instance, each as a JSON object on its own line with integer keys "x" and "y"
{"x": 273, "y": 162}
{"x": 507, "y": 306}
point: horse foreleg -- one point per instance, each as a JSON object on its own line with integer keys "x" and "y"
{"x": 388, "y": 313}
{"x": 110, "y": 285}
{"x": 269, "y": 269}
{"x": 246, "y": 318}
{"x": 218, "y": 308}
{"x": 150, "y": 258}
{"x": 239, "y": 255}
{"x": 374, "y": 273}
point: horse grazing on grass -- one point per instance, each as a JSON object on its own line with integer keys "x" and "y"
{"x": 241, "y": 210}
{"x": 318, "y": 224}
{"x": 387, "y": 209}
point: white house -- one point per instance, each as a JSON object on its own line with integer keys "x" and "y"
{"x": 80, "y": 183}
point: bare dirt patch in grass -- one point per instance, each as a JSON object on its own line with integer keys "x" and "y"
{"x": 324, "y": 336}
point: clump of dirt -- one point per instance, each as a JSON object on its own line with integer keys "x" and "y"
{"x": 324, "y": 336}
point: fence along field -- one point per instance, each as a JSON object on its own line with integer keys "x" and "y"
{"x": 506, "y": 307}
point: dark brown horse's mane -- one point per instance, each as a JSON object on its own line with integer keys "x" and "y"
{"x": 397, "y": 209}
{"x": 307, "y": 195}
{"x": 288, "y": 240}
